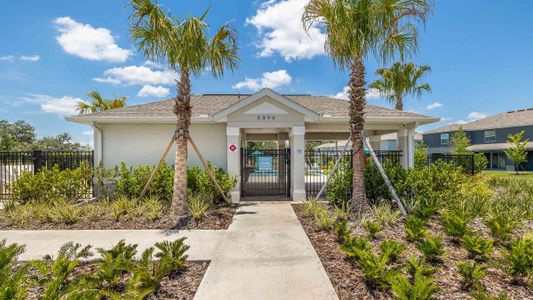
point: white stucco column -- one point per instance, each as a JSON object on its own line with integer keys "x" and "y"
{"x": 233, "y": 150}
{"x": 297, "y": 141}
{"x": 406, "y": 143}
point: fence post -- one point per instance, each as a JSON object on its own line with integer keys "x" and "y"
{"x": 37, "y": 160}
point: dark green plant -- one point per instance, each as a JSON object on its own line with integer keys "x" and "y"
{"x": 477, "y": 246}
{"x": 198, "y": 204}
{"x": 198, "y": 181}
{"x": 372, "y": 228}
{"x": 376, "y": 189}
{"x": 56, "y": 278}
{"x": 352, "y": 247}
{"x": 519, "y": 259}
{"x": 376, "y": 271}
{"x": 12, "y": 281}
{"x": 415, "y": 228}
{"x": 432, "y": 248}
{"x": 392, "y": 249}
{"x": 338, "y": 191}
{"x": 171, "y": 256}
{"x": 421, "y": 287}
{"x": 130, "y": 181}
{"x": 471, "y": 274}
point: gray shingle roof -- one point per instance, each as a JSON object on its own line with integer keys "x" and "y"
{"x": 209, "y": 104}
{"x": 515, "y": 118}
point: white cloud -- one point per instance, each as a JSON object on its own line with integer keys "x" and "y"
{"x": 12, "y": 58}
{"x": 153, "y": 91}
{"x": 268, "y": 80}
{"x": 138, "y": 75}
{"x": 87, "y": 42}
{"x": 370, "y": 94}
{"x": 434, "y": 105}
{"x": 64, "y": 106}
{"x": 280, "y": 29}
{"x": 474, "y": 116}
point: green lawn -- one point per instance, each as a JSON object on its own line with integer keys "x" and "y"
{"x": 510, "y": 174}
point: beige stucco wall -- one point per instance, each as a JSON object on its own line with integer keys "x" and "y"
{"x": 145, "y": 143}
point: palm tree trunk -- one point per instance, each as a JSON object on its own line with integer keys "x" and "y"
{"x": 182, "y": 109}
{"x": 357, "y": 104}
{"x": 399, "y": 103}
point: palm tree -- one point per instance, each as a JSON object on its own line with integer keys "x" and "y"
{"x": 186, "y": 47}
{"x": 98, "y": 103}
{"x": 400, "y": 80}
{"x": 355, "y": 30}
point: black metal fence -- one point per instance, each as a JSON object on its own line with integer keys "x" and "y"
{"x": 464, "y": 161}
{"x": 265, "y": 172}
{"x": 14, "y": 164}
{"x": 319, "y": 162}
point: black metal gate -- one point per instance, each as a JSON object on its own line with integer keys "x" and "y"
{"x": 265, "y": 172}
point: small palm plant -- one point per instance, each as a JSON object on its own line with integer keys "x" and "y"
{"x": 472, "y": 274}
{"x": 98, "y": 103}
{"x": 12, "y": 282}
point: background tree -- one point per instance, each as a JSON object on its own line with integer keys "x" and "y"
{"x": 356, "y": 30}
{"x": 185, "y": 46}
{"x": 98, "y": 103}
{"x": 401, "y": 80}
{"x": 518, "y": 151}
{"x": 460, "y": 142}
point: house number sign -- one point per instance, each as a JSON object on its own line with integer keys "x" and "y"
{"x": 266, "y": 117}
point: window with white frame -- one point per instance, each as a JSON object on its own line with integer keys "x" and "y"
{"x": 444, "y": 138}
{"x": 490, "y": 136}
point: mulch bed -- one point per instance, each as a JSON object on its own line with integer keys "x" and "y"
{"x": 348, "y": 280}
{"x": 216, "y": 219}
{"x": 181, "y": 285}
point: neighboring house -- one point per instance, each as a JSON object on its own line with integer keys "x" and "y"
{"x": 489, "y": 136}
{"x": 382, "y": 142}
{"x": 222, "y": 123}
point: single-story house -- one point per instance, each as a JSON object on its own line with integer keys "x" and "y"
{"x": 489, "y": 136}
{"x": 223, "y": 123}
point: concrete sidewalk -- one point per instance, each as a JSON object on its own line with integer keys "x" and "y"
{"x": 265, "y": 255}
{"x": 38, "y": 243}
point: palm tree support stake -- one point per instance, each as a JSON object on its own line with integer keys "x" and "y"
{"x": 385, "y": 177}
{"x": 206, "y": 167}
{"x": 337, "y": 163}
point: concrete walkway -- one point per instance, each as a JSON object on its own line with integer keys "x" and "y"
{"x": 42, "y": 242}
{"x": 265, "y": 254}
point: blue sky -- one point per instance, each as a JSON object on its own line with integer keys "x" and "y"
{"x": 52, "y": 53}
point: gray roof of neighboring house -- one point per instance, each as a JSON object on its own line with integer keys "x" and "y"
{"x": 515, "y": 118}
{"x": 209, "y": 104}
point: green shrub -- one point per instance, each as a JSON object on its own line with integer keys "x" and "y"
{"x": 130, "y": 181}
{"x": 312, "y": 207}
{"x": 372, "y": 228}
{"x": 149, "y": 208}
{"x": 12, "y": 281}
{"x": 431, "y": 247}
{"x": 482, "y": 294}
{"x": 421, "y": 288}
{"x": 115, "y": 262}
{"x": 376, "y": 189}
{"x": 343, "y": 211}
{"x": 171, "y": 256}
{"x": 480, "y": 162}
{"x": 65, "y": 212}
{"x": 52, "y": 183}
{"x": 519, "y": 259}
{"x": 198, "y": 204}
{"x": 472, "y": 273}
{"x": 386, "y": 214}
{"x": 455, "y": 225}
{"x": 339, "y": 189}
{"x": 415, "y": 228}
{"x": 376, "y": 271}
{"x": 392, "y": 249}
{"x": 122, "y": 206}
{"x": 198, "y": 181}
{"x": 352, "y": 247}
{"x": 477, "y": 246}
